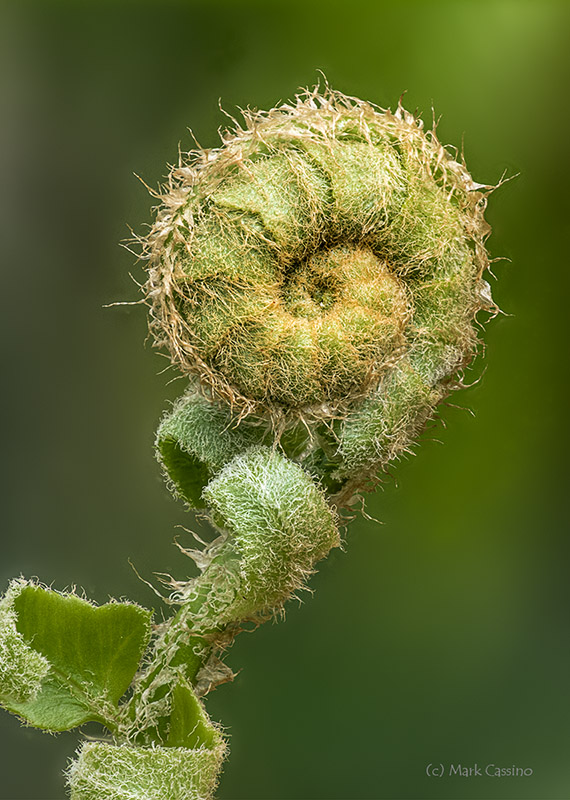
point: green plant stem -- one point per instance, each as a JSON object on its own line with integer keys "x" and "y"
{"x": 182, "y": 649}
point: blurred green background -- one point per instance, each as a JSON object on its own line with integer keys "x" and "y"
{"x": 441, "y": 636}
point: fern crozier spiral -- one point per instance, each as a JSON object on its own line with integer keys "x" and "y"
{"x": 326, "y": 262}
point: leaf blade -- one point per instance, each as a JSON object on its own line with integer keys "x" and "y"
{"x": 93, "y": 654}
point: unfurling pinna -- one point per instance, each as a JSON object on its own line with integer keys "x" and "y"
{"x": 317, "y": 278}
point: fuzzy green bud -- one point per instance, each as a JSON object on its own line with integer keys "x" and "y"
{"x": 278, "y": 524}
{"x": 104, "y": 771}
{"x": 323, "y": 247}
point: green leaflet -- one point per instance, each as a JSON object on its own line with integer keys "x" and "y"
{"x": 189, "y": 724}
{"x": 92, "y": 655}
{"x": 196, "y": 439}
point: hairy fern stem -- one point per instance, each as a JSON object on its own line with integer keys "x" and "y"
{"x": 317, "y": 280}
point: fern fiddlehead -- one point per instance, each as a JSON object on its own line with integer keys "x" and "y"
{"x": 317, "y": 278}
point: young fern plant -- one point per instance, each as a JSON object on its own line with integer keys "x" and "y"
{"x": 317, "y": 278}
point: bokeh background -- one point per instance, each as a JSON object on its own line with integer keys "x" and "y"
{"x": 441, "y": 636}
